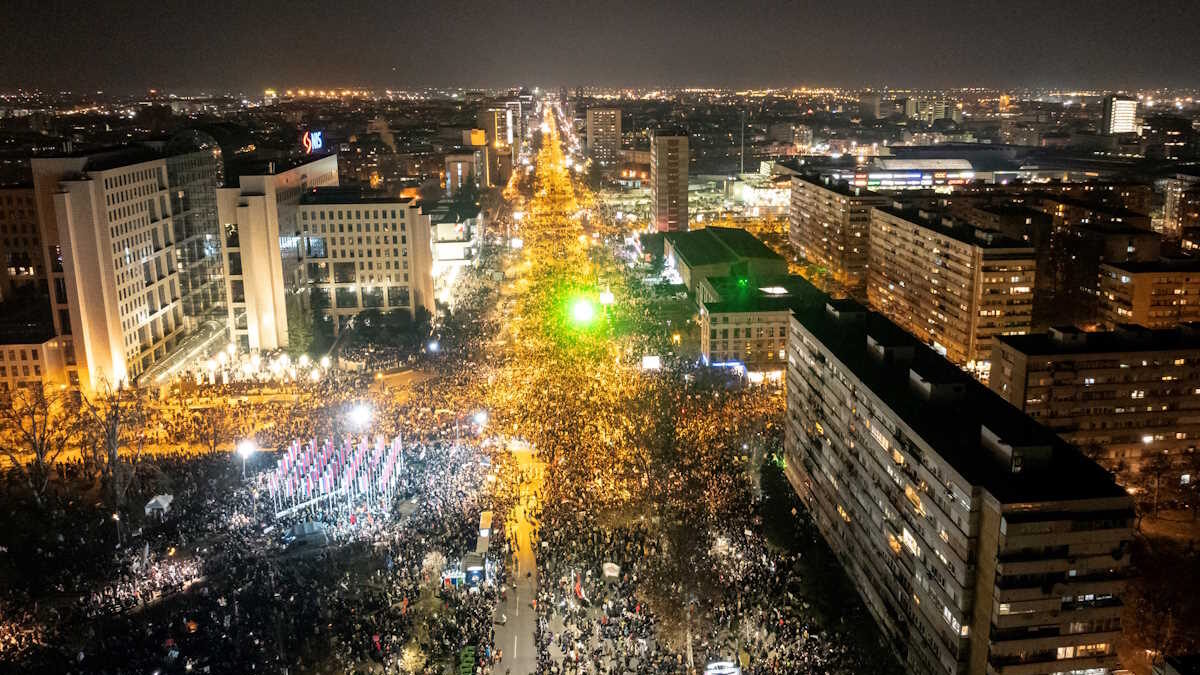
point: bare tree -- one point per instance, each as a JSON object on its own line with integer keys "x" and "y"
{"x": 112, "y": 421}
{"x": 36, "y": 426}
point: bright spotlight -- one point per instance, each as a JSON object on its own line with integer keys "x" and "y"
{"x": 360, "y": 415}
{"x": 433, "y": 346}
{"x": 480, "y": 417}
{"x": 582, "y": 311}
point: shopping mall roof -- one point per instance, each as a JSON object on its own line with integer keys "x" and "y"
{"x": 905, "y": 164}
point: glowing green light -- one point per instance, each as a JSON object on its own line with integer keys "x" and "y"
{"x": 582, "y": 311}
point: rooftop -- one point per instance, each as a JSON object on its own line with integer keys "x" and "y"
{"x": 840, "y": 187}
{"x": 450, "y": 212}
{"x": 742, "y": 294}
{"x": 905, "y": 164}
{"x": 976, "y": 236}
{"x": 350, "y": 195}
{"x": 259, "y": 165}
{"x": 1115, "y": 211}
{"x": 718, "y": 245}
{"x": 1126, "y": 338}
{"x": 953, "y": 426}
{"x": 1162, "y": 265}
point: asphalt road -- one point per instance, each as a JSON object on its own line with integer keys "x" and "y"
{"x": 515, "y": 637}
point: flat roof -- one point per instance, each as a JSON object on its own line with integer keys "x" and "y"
{"x": 953, "y": 427}
{"x": 699, "y": 249}
{"x": 740, "y": 294}
{"x": 266, "y": 166}
{"x": 450, "y": 212}
{"x": 349, "y": 195}
{"x": 1152, "y": 266}
{"x": 906, "y": 164}
{"x": 742, "y": 243}
{"x": 1126, "y": 338}
{"x": 841, "y": 187}
{"x": 1063, "y": 198}
{"x": 959, "y": 230}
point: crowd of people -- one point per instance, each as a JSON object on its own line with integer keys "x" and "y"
{"x": 643, "y": 530}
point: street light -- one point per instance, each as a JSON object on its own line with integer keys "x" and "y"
{"x": 480, "y": 417}
{"x": 433, "y": 347}
{"x": 244, "y": 450}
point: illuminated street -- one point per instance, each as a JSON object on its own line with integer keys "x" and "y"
{"x": 626, "y": 532}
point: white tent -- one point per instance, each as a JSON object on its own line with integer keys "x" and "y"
{"x": 159, "y": 505}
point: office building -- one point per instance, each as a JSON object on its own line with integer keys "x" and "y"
{"x": 21, "y": 256}
{"x": 669, "y": 181}
{"x": 744, "y": 323}
{"x": 1154, "y": 293}
{"x": 365, "y": 250}
{"x": 869, "y": 107}
{"x": 980, "y": 542}
{"x": 1120, "y": 396}
{"x": 1119, "y": 115}
{"x": 955, "y": 287}
{"x": 828, "y": 226}
{"x": 456, "y": 231}
{"x": 264, "y": 248}
{"x": 131, "y": 237}
{"x": 604, "y": 135}
{"x": 464, "y": 168}
{"x": 719, "y": 252}
{"x": 500, "y": 126}
{"x": 31, "y": 365}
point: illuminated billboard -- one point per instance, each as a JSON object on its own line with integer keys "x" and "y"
{"x": 313, "y": 141}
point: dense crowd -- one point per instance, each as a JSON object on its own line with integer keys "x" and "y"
{"x": 646, "y": 536}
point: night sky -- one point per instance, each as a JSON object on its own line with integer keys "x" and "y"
{"x": 188, "y": 45}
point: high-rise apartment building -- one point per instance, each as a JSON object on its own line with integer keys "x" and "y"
{"x": 1153, "y": 293}
{"x": 1119, "y": 115}
{"x": 1120, "y": 396}
{"x": 604, "y": 135}
{"x": 130, "y": 238}
{"x": 366, "y": 251}
{"x": 263, "y": 245}
{"x": 1084, "y": 236}
{"x": 1181, "y": 208}
{"x": 980, "y": 542}
{"x": 953, "y": 286}
{"x": 669, "y": 180}
{"x": 829, "y": 224}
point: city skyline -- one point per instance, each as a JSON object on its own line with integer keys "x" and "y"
{"x": 123, "y": 46}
